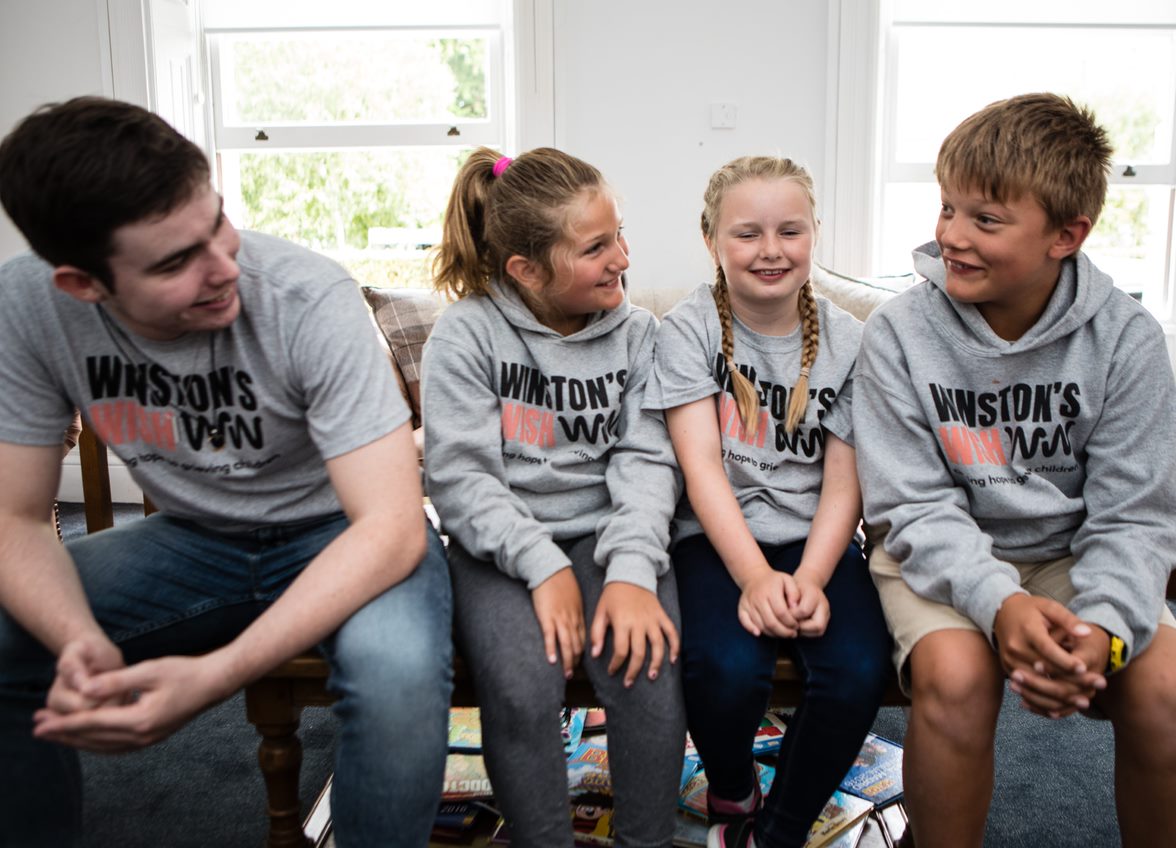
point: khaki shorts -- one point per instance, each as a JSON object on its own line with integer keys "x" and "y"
{"x": 910, "y": 617}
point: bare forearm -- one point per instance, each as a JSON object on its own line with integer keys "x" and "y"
{"x": 839, "y": 512}
{"x": 39, "y": 584}
{"x": 722, "y": 520}
{"x": 694, "y": 432}
{"x": 357, "y": 566}
{"x": 378, "y": 486}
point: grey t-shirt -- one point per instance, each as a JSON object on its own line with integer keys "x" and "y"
{"x": 776, "y": 476}
{"x": 230, "y": 428}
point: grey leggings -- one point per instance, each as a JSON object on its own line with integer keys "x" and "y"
{"x": 520, "y": 694}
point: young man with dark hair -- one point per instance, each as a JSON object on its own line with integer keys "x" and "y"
{"x": 240, "y": 380}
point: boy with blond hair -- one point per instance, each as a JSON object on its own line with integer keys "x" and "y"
{"x": 1016, "y": 425}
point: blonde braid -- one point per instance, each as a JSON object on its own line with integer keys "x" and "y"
{"x": 810, "y": 331}
{"x": 746, "y": 397}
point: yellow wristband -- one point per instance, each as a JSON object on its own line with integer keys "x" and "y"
{"x": 1118, "y": 656}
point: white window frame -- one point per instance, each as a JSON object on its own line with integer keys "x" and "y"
{"x": 490, "y": 131}
{"x": 522, "y": 86}
{"x": 519, "y": 84}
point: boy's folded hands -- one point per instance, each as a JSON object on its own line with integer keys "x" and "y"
{"x": 1053, "y": 658}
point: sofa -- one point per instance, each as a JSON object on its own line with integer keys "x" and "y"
{"x": 405, "y": 316}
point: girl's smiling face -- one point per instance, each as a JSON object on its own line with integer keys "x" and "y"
{"x": 588, "y": 265}
{"x": 763, "y": 241}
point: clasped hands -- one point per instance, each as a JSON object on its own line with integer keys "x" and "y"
{"x": 98, "y": 703}
{"x": 1054, "y": 660}
{"x": 635, "y": 615}
{"x": 783, "y": 605}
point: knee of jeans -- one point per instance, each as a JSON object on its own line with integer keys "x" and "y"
{"x": 400, "y": 697}
{"x": 738, "y": 670}
{"x": 859, "y": 679}
{"x": 392, "y": 668}
{"x": 519, "y": 697}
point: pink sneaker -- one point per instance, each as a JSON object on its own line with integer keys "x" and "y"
{"x": 722, "y": 811}
{"x": 731, "y": 835}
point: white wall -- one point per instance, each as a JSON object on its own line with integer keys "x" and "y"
{"x": 52, "y": 50}
{"x": 49, "y": 50}
{"x": 634, "y": 84}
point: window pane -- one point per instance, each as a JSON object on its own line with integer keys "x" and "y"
{"x": 909, "y": 213}
{"x": 375, "y": 211}
{"x": 1131, "y": 239}
{"x": 945, "y": 74}
{"x": 375, "y": 77}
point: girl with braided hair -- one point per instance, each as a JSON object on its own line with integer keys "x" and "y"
{"x": 754, "y": 375}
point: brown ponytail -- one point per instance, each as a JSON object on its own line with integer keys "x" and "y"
{"x": 523, "y": 211}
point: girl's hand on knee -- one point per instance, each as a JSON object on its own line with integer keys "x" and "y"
{"x": 637, "y": 620}
{"x": 560, "y": 611}
{"x": 766, "y": 602}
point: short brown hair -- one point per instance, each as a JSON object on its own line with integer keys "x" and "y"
{"x": 72, "y": 173}
{"x": 523, "y": 210}
{"x": 1038, "y": 144}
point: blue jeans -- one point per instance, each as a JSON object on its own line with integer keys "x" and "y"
{"x": 727, "y": 679}
{"x": 163, "y": 586}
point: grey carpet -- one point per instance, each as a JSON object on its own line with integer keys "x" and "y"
{"x": 202, "y": 786}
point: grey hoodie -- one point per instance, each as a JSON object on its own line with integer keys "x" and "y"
{"x": 532, "y": 437}
{"x": 974, "y": 451}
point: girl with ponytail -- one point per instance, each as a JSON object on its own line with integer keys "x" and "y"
{"x": 556, "y": 489}
{"x": 754, "y": 375}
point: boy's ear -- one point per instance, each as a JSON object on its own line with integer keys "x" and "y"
{"x": 79, "y": 284}
{"x": 526, "y": 272}
{"x": 1070, "y": 237}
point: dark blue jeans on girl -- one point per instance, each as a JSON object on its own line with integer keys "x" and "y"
{"x": 727, "y": 679}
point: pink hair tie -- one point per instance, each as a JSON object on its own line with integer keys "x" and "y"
{"x": 501, "y": 165}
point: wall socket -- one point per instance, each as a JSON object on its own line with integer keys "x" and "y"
{"x": 722, "y": 116}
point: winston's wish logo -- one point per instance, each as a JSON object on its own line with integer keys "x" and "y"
{"x": 137, "y": 402}
{"x": 1019, "y": 422}
{"x": 773, "y": 399}
{"x": 535, "y": 404}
